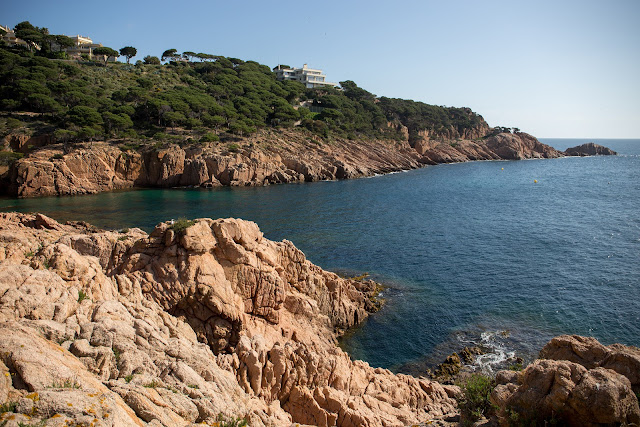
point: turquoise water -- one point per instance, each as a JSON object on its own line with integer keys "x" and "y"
{"x": 470, "y": 252}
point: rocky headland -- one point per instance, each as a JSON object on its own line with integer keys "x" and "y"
{"x": 189, "y": 323}
{"x": 206, "y": 320}
{"x": 268, "y": 157}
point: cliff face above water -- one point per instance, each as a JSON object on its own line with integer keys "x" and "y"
{"x": 263, "y": 159}
{"x": 177, "y": 327}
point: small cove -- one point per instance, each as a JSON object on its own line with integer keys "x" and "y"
{"x": 470, "y": 252}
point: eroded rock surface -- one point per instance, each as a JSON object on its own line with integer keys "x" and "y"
{"x": 177, "y": 327}
{"x": 268, "y": 157}
{"x": 577, "y": 381}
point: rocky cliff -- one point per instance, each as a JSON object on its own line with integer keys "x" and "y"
{"x": 187, "y": 324}
{"x": 267, "y": 158}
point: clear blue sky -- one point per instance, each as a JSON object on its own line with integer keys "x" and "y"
{"x": 563, "y": 68}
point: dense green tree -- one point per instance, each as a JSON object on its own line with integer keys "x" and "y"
{"x": 217, "y": 93}
{"x": 83, "y": 116}
{"x": 114, "y": 123}
{"x": 151, "y": 60}
{"x": 43, "y": 103}
{"x": 63, "y": 41}
{"x": 33, "y": 36}
{"x": 106, "y": 53}
{"x": 128, "y": 52}
{"x": 204, "y": 56}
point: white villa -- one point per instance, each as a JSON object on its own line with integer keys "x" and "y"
{"x": 82, "y": 44}
{"x": 310, "y": 77}
{"x": 10, "y": 37}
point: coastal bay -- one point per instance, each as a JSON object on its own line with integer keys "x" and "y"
{"x": 466, "y": 250}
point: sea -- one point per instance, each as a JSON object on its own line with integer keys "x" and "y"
{"x": 501, "y": 254}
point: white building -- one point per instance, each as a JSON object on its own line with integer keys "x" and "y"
{"x": 10, "y": 38}
{"x": 82, "y": 45}
{"x": 310, "y": 77}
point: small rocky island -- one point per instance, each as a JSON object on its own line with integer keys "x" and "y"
{"x": 207, "y": 321}
{"x": 590, "y": 149}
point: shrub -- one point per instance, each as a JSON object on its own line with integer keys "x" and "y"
{"x": 66, "y": 384}
{"x": 231, "y": 422}
{"x": 82, "y": 296}
{"x": 8, "y": 407}
{"x": 14, "y": 123}
{"x": 234, "y": 148}
{"x": 130, "y": 146}
{"x": 181, "y": 224}
{"x": 8, "y": 157}
{"x": 474, "y": 403}
{"x": 209, "y": 137}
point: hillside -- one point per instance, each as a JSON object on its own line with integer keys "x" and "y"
{"x": 83, "y": 126}
{"x": 84, "y": 100}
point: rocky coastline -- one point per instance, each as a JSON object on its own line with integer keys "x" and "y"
{"x": 183, "y": 325}
{"x": 206, "y": 320}
{"x": 269, "y": 157}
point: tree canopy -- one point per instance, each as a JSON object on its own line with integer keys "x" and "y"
{"x": 128, "y": 52}
{"x": 170, "y": 54}
{"x": 216, "y": 95}
{"x": 106, "y": 52}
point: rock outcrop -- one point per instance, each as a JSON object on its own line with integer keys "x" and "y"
{"x": 577, "y": 381}
{"x": 266, "y": 158}
{"x": 180, "y": 326}
{"x": 503, "y": 146}
{"x": 589, "y": 353}
{"x": 590, "y": 149}
{"x": 263, "y": 159}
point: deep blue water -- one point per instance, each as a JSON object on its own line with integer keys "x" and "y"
{"x": 470, "y": 252}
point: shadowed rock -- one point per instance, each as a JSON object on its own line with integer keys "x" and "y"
{"x": 590, "y": 149}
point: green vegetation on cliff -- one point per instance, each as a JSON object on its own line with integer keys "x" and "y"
{"x": 85, "y": 100}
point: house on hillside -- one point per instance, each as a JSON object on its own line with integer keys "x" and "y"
{"x": 83, "y": 45}
{"x": 310, "y": 77}
{"x": 9, "y": 37}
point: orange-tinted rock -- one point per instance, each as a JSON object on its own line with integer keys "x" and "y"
{"x": 565, "y": 391}
{"x": 183, "y": 325}
{"x": 590, "y": 149}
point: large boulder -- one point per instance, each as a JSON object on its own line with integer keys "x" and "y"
{"x": 549, "y": 390}
{"x": 588, "y": 352}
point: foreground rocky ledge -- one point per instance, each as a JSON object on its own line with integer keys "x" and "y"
{"x": 197, "y": 321}
{"x": 576, "y": 382}
{"x": 183, "y": 325}
{"x": 266, "y": 158}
